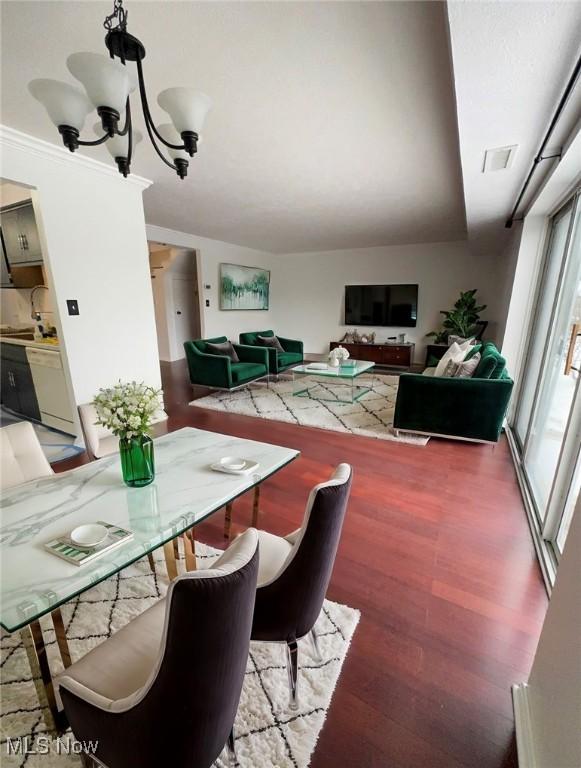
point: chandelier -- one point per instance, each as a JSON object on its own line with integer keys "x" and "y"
{"x": 108, "y": 84}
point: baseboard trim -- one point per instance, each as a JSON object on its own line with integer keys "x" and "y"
{"x": 523, "y": 726}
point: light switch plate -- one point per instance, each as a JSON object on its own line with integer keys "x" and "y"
{"x": 73, "y": 306}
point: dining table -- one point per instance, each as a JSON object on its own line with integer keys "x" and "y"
{"x": 35, "y": 583}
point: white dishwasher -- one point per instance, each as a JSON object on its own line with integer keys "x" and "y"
{"x": 51, "y": 388}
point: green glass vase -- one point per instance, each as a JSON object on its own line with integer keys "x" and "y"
{"x": 137, "y": 461}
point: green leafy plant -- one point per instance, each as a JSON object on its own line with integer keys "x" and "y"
{"x": 461, "y": 320}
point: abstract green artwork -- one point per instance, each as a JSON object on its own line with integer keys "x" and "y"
{"x": 243, "y": 287}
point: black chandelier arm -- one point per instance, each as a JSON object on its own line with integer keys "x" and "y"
{"x": 147, "y": 113}
{"x": 129, "y": 127}
{"x": 157, "y": 149}
{"x": 127, "y": 119}
{"x": 95, "y": 143}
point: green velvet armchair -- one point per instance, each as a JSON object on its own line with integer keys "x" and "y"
{"x": 218, "y": 371}
{"x": 277, "y": 361}
{"x": 463, "y": 409}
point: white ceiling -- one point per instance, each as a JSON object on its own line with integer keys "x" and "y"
{"x": 333, "y": 123}
{"x": 511, "y": 63}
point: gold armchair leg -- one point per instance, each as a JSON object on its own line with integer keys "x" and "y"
{"x": 228, "y": 521}
{"x": 190, "y": 550}
{"x": 33, "y": 642}
{"x": 170, "y": 559}
{"x": 256, "y": 506}
{"x": 61, "y": 637}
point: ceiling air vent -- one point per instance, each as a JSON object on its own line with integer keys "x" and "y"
{"x": 499, "y": 159}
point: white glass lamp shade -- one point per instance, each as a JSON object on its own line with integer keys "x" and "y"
{"x": 169, "y": 133}
{"x": 65, "y": 104}
{"x": 186, "y": 107}
{"x": 108, "y": 83}
{"x": 118, "y": 146}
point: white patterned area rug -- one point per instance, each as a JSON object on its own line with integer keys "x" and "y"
{"x": 370, "y": 416}
{"x": 268, "y": 735}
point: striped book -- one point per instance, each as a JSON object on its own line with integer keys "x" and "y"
{"x": 65, "y": 549}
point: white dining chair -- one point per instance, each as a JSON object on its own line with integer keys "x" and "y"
{"x": 99, "y": 441}
{"x": 21, "y": 455}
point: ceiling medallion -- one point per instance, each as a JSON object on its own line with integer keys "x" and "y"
{"x": 108, "y": 84}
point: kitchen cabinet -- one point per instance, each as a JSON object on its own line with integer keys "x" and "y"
{"x": 5, "y": 279}
{"x": 20, "y": 234}
{"x": 16, "y": 384}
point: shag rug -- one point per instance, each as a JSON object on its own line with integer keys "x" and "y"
{"x": 55, "y": 445}
{"x": 267, "y": 733}
{"x": 370, "y": 416}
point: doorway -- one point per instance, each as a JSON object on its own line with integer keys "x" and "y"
{"x": 176, "y": 298}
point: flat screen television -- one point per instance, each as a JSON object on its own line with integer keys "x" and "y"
{"x": 381, "y": 305}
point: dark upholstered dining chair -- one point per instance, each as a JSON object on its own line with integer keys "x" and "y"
{"x": 165, "y": 688}
{"x": 294, "y": 572}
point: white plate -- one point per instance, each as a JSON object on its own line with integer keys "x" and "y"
{"x": 89, "y": 535}
{"x": 227, "y": 464}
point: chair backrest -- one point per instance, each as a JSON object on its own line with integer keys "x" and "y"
{"x": 288, "y": 606}
{"x": 251, "y": 337}
{"x": 21, "y": 455}
{"x": 95, "y": 434}
{"x": 184, "y": 713}
{"x": 92, "y": 432}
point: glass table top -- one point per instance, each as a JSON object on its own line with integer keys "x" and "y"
{"x": 342, "y": 372}
{"x": 185, "y": 491}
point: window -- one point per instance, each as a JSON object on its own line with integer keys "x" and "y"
{"x": 547, "y": 425}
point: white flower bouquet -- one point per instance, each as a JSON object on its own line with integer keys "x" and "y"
{"x": 127, "y": 408}
{"x": 338, "y": 356}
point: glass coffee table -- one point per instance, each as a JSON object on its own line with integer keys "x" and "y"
{"x": 336, "y": 385}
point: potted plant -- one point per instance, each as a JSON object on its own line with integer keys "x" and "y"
{"x": 462, "y": 320}
{"x": 127, "y": 409}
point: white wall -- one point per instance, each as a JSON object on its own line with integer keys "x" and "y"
{"x": 92, "y": 229}
{"x": 158, "y": 288}
{"x": 211, "y": 253}
{"x": 549, "y": 728}
{"x": 310, "y": 303}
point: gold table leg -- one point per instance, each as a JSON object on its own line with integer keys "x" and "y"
{"x": 228, "y": 521}
{"x": 256, "y": 506}
{"x": 190, "y": 550}
{"x": 170, "y": 559}
{"x": 33, "y": 642}
{"x": 151, "y": 562}
{"x": 61, "y": 636}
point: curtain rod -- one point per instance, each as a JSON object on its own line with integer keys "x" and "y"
{"x": 539, "y": 156}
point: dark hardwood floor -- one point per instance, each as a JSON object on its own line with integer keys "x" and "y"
{"x": 437, "y": 556}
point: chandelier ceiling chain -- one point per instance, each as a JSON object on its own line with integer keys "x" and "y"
{"x": 108, "y": 84}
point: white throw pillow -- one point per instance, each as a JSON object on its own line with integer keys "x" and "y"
{"x": 466, "y": 369}
{"x": 454, "y": 353}
{"x": 461, "y": 341}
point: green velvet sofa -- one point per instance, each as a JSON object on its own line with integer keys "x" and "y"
{"x": 218, "y": 371}
{"x": 277, "y": 361}
{"x": 464, "y": 409}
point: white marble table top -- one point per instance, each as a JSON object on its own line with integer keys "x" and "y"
{"x": 184, "y": 492}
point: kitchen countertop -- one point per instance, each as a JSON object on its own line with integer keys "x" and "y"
{"x": 30, "y": 343}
